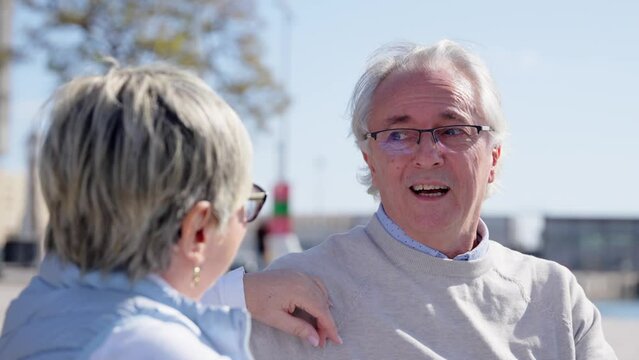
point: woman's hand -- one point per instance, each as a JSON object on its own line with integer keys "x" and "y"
{"x": 273, "y": 296}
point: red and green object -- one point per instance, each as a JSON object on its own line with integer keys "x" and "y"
{"x": 281, "y": 222}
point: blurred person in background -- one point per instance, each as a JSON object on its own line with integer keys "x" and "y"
{"x": 423, "y": 279}
{"x": 146, "y": 175}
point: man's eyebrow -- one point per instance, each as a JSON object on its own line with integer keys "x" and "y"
{"x": 450, "y": 114}
{"x": 396, "y": 119}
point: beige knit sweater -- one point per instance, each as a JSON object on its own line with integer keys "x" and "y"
{"x": 393, "y": 302}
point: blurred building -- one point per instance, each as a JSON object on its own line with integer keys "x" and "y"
{"x": 592, "y": 243}
{"x": 502, "y": 229}
{"x": 23, "y": 216}
{"x": 312, "y": 230}
{"x": 13, "y": 199}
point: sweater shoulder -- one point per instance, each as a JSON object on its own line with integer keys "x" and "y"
{"x": 337, "y": 252}
{"x": 338, "y": 261}
{"x": 512, "y": 260}
{"x": 539, "y": 278}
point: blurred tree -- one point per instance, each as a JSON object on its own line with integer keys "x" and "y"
{"x": 216, "y": 38}
{"x": 6, "y": 54}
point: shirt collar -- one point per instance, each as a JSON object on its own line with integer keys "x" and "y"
{"x": 398, "y": 234}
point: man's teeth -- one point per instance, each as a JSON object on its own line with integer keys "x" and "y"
{"x": 428, "y": 187}
{"x": 430, "y": 190}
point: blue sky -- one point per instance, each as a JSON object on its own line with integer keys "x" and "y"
{"x": 567, "y": 72}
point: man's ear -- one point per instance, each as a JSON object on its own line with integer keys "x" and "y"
{"x": 496, "y": 154}
{"x": 368, "y": 162}
{"x": 193, "y": 232}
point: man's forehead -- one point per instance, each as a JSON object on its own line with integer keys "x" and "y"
{"x": 450, "y": 96}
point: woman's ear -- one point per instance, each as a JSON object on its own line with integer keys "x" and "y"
{"x": 194, "y": 233}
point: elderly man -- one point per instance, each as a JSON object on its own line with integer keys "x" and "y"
{"x": 423, "y": 279}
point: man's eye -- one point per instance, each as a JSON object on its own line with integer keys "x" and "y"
{"x": 454, "y": 131}
{"x": 397, "y": 135}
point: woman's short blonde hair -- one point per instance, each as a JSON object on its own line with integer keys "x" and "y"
{"x": 126, "y": 155}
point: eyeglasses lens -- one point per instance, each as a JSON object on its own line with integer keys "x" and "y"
{"x": 254, "y": 203}
{"x": 405, "y": 141}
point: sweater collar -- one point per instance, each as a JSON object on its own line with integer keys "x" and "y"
{"x": 415, "y": 261}
{"x": 398, "y": 234}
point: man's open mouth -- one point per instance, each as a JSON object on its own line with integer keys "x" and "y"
{"x": 430, "y": 190}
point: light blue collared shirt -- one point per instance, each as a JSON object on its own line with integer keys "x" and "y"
{"x": 398, "y": 234}
{"x": 83, "y": 309}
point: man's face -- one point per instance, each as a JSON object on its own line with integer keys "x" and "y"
{"x": 455, "y": 182}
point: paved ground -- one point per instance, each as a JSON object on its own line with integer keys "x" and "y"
{"x": 621, "y": 333}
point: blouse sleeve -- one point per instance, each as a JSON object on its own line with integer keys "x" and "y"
{"x": 228, "y": 290}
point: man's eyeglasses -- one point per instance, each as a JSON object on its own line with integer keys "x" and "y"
{"x": 405, "y": 141}
{"x": 254, "y": 203}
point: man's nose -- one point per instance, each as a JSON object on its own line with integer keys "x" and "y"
{"x": 428, "y": 152}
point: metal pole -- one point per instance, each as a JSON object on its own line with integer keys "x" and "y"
{"x": 281, "y": 238}
{"x": 285, "y": 77}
